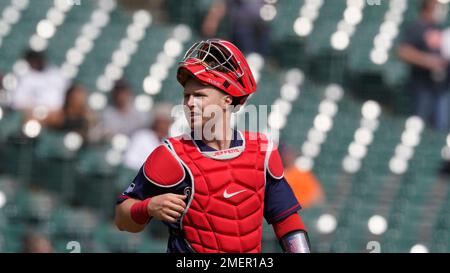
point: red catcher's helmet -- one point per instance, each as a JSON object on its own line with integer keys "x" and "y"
{"x": 218, "y": 63}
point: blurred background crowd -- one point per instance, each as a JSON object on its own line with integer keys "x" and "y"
{"x": 88, "y": 89}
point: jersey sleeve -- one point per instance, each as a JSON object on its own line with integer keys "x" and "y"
{"x": 139, "y": 189}
{"x": 161, "y": 173}
{"x": 280, "y": 201}
{"x": 413, "y": 35}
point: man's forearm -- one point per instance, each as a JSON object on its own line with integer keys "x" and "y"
{"x": 291, "y": 233}
{"x": 123, "y": 218}
{"x": 418, "y": 58}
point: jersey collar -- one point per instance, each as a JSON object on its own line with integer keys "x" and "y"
{"x": 237, "y": 146}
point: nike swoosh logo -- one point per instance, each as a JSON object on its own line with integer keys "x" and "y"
{"x": 227, "y": 195}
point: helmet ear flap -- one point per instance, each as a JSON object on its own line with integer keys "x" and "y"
{"x": 239, "y": 102}
{"x": 243, "y": 99}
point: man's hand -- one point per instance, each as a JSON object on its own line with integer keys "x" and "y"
{"x": 167, "y": 207}
{"x": 435, "y": 63}
{"x": 425, "y": 60}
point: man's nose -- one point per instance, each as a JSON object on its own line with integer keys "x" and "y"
{"x": 190, "y": 101}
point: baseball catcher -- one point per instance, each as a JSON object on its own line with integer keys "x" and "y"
{"x": 214, "y": 186}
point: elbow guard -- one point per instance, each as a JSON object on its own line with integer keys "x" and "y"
{"x": 296, "y": 242}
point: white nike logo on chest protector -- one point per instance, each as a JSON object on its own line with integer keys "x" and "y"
{"x": 227, "y": 195}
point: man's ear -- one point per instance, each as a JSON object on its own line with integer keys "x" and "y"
{"x": 228, "y": 100}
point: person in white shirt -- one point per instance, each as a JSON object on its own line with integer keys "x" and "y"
{"x": 439, "y": 40}
{"x": 42, "y": 86}
{"x": 121, "y": 117}
{"x": 145, "y": 140}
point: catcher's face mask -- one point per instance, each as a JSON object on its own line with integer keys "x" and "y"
{"x": 218, "y": 63}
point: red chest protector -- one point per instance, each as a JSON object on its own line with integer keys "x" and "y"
{"x": 225, "y": 211}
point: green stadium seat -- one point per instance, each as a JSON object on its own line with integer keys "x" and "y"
{"x": 105, "y": 44}
{"x": 17, "y": 41}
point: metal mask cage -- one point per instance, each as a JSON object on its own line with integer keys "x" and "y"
{"x": 213, "y": 56}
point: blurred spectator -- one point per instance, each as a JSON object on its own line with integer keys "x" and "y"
{"x": 42, "y": 85}
{"x": 144, "y": 141}
{"x": 33, "y": 242}
{"x": 304, "y": 184}
{"x": 75, "y": 115}
{"x": 445, "y": 43}
{"x": 122, "y": 117}
{"x": 440, "y": 40}
{"x": 428, "y": 80}
{"x": 246, "y": 27}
